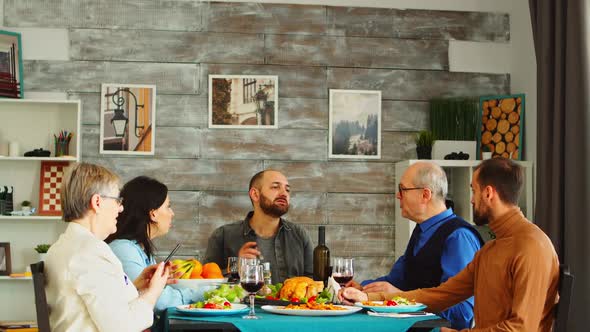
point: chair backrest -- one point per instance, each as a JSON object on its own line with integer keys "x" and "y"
{"x": 40, "y": 298}
{"x": 562, "y": 310}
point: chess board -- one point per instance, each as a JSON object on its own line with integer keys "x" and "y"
{"x": 50, "y": 187}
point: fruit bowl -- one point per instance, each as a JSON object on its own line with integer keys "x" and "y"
{"x": 198, "y": 284}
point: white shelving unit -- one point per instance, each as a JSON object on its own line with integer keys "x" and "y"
{"x": 459, "y": 175}
{"x": 31, "y": 123}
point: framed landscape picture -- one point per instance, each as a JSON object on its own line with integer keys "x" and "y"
{"x": 11, "y": 65}
{"x": 501, "y": 124}
{"x": 355, "y": 124}
{"x": 128, "y": 119}
{"x": 243, "y": 101}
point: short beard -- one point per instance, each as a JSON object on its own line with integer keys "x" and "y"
{"x": 272, "y": 209}
{"x": 481, "y": 217}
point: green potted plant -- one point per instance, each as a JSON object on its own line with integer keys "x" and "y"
{"x": 42, "y": 250}
{"x": 424, "y": 141}
{"x": 486, "y": 152}
{"x": 25, "y": 206}
{"x": 454, "y": 123}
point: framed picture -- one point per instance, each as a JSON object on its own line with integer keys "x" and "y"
{"x": 5, "y": 266}
{"x": 128, "y": 119}
{"x": 501, "y": 124}
{"x": 355, "y": 124}
{"x": 243, "y": 101}
{"x": 50, "y": 181}
{"x": 11, "y": 65}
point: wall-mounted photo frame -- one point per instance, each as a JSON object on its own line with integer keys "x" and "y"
{"x": 11, "y": 65}
{"x": 50, "y": 180}
{"x": 501, "y": 125}
{"x": 5, "y": 262}
{"x": 127, "y": 119}
{"x": 243, "y": 101}
{"x": 355, "y": 124}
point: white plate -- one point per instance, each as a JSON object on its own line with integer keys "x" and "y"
{"x": 394, "y": 308}
{"x": 197, "y": 284}
{"x": 280, "y": 309}
{"x": 236, "y": 309}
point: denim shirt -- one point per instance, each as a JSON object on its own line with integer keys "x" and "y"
{"x": 293, "y": 246}
{"x": 134, "y": 260}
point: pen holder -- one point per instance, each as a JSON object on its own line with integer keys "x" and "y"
{"x": 62, "y": 149}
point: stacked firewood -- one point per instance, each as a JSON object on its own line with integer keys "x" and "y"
{"x": 501, "y": 126}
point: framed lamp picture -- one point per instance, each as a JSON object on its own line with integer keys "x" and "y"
{"x": 243, "y": 101}
{"x": 501, "y": 125}
{"x": 5, "y": 264}
{"x": 11, "y": 65}
{"x": 355, "y": 124}
{"x": 128, "y": 119}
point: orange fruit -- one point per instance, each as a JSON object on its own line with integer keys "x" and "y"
{"x": 211, "y": 271}
{"x": 197, "y": 270}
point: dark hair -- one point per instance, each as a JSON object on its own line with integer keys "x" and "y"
{"x": 255, "y": 180}
{"x": 140, "y": 196}
{"x": 504, "y": 175}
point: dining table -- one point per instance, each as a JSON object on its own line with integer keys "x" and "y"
{"x": 175, "y": 320}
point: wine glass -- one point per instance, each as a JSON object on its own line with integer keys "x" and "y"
{"x": 251, "y": 279}
{"x": 342, "y": 270}
{"x": 233, "y": 273}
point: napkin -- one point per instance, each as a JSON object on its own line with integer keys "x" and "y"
{"x": 400, "y": 315}
{"x": 333, "y": 287}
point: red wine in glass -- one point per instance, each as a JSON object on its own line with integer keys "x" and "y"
{"x": 342, "y": 280}
{"x": 251, "y": 279}
{"x": 252, "y": 287}
{"x": 233, "y": 277}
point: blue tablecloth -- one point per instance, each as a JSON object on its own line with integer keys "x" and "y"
{"x": 271, "y": 323}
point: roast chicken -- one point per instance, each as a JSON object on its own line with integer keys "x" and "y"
{"x": 300, "y": 287}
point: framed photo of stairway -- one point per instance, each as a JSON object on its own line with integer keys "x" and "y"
{"x": 243, "y": 101}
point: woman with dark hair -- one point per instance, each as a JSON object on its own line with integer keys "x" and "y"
{"x": 146, "y": 215}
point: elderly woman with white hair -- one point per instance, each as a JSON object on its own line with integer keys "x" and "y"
{"x": 86, "y": 288}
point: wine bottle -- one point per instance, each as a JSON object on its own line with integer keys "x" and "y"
{"x": 321, "y": 257}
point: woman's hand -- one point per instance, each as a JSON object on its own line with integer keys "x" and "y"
{"x": 151, "y": 282}
{"x": 380, "y": 286}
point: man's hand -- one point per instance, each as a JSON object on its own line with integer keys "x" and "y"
{"x": 350, "y": 295}
{"x": 446, "y": 329}
{"x": 249, "y": 250}
{"x": 380, "y": 286}
{"x": 354, "y": 284}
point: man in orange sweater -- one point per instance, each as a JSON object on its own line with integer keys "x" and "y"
{"x": 514, "y": 278}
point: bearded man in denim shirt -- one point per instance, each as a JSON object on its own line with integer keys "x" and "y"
{"x": 264, "y": 234}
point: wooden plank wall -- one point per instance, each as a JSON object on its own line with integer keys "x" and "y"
{"x": 176, "y": 44}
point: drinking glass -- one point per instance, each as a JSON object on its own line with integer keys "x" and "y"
{"x": 342, "y": 270}
{"x": 233, "y": 273}
{"x": 251, "y": 279}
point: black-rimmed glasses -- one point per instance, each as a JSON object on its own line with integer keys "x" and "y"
{"x": 119, "y": 200}
{"x": 401, "y": 189}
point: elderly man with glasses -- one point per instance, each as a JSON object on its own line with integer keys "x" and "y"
{"x": 441, "y": 245}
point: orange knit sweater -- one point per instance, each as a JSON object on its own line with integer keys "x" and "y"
{"x": 514, "y": 279}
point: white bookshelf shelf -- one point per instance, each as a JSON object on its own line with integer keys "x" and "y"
{"x": 15, "y": 278}
{"x": 41, "y": 218}
{"x": 3, "y": 158}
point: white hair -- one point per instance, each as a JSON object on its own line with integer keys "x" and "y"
{"x": 432, "y": 176}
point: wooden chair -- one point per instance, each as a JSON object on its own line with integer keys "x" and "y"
{"x": 562, "y": 309}
{"x": 40, "y": 298}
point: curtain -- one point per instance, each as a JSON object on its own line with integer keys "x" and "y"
{"x": 560, "y": 31}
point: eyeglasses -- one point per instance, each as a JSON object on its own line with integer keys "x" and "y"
{"x": 119, "y": 200}
{"x": 401, "y": 189}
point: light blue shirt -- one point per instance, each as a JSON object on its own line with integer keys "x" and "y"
{"x": 460, "y": 248}
{"x": 134, "y": 260}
